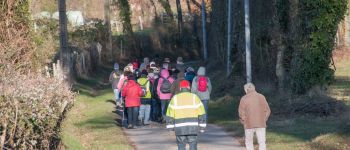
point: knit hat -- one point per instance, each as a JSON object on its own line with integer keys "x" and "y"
{"x": 116, "y": 66}
{"x": 201, "y": 71}
{"x": 184, "y": 84}
{"x": 167, "y": 60}
{"x": 152, "y": 64}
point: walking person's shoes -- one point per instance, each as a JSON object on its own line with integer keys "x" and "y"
{"x": 120, "y": 108}
{"x": 130, "y": 126}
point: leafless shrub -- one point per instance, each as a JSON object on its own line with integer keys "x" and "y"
{"x": 31, "y": 110}
{"x": 16, "y": 46}
{"x": 31, "y": 106}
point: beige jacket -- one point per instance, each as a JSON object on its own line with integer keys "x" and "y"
{"x": 253, "y": 110}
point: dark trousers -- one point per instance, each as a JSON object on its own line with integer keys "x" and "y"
{"x": 182, "y": 140}
{"x": 133, "y": 113}
{"x": 155, "y": 110}
{"x": 164, "y": 105}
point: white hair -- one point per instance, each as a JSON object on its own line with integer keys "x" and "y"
{"x": 249, "y": 87}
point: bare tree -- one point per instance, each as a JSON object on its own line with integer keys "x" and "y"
{"x": 189, "y": 7}
{"x": 247, "y": 41}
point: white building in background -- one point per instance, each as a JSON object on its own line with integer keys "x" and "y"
{"x": 75, "y": 18}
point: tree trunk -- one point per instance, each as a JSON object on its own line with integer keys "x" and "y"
{"x": 229, "y": 38}
{"x": 204, "y": 30}
{"x": 109, "y": 46}
{"x": 247, "y": 42}
{"x": 293, "y": 35}
{"x": 64, "y": 53}
{"x": 278, "y": 44}
{"x": 125, "y": 15}
{"x": 189, "y": 7}
{"x": 179, "y": 18}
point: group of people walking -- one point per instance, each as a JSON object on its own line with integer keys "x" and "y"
{"x": 164, "y": 92}
{"x": 178, "y": 97}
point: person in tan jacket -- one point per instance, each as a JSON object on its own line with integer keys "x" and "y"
{"x": 253, "y": 113}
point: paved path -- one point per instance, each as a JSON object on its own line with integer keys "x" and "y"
{"x": 156, "y": 137}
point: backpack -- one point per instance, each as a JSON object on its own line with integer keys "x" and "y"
{"x": 202, "y": 83}
{"x": 189, "y": 76}
{"x": 166, "y": 85}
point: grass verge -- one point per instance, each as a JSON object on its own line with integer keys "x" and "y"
{"x": 292, "y": 132}
{"x": 303, "y": 132}
{"x": 91, "y": 123}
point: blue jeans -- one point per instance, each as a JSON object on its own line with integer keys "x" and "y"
{"x": 132, "y": 115}
{"x": 116, "y": 95}
{"x": 145, "y": 111}
{"x": 182, "y": 140}
{"x": 205, "y": 104}
{"x": 164, "y": 106}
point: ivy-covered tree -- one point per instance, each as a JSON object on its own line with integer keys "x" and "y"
{"x": 319, "y": 21}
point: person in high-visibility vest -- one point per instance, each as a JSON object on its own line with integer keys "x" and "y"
{"x": 186, "y": 115}
{"x": 145, "y": 108}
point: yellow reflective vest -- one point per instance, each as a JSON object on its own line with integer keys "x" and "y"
{"x": 185, "y": 114}
{"x": 144, "y": 82}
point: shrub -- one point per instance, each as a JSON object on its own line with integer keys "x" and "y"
{"x": 31, "y": 110}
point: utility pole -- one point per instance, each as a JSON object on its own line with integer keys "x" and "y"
{"x": 205, "y": 52}
{"x": 247, "y": 42}
{"x": 229, "y": 38}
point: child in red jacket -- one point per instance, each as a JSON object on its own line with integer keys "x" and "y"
{"x": 132, "y": 93}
